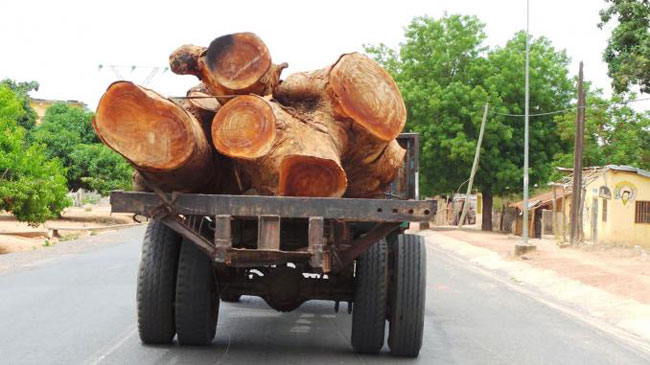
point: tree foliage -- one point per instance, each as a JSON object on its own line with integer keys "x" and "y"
{"x": 31, "y": 187}
{"x": 63, "y": 129}
{"x": 628, "y": 49}
{"x": 97, "y": 167}
{"x": 446, "y": 75}
{"x": 21, "y": 90}
{"x": 614, "y": 134}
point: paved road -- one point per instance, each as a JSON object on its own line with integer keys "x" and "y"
{"x": 79, "y": 307}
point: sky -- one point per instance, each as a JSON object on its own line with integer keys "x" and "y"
{"x": 61, "y": 43}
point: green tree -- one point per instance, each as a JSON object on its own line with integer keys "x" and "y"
{"x": 62, "y": 129}
{"x": 614, "y": 134}
{"x": 628, "y": 49}
{"x": 32, "y": 188}
{"x": 446, "y": 75}
{"x": 21, "y": 90}
{"x": 99, "y": 168}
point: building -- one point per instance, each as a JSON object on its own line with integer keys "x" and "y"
{"x": 540, "y": 214}
{"x": 41, "y": 105}
{"x": 615, "y": 206}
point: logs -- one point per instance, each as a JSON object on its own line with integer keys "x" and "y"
{"x": 364, "y": 102}
{"x": 234, "y": 64}
{"x": 281, "y": 154}
{"x": 329, "y": 132}
{"x": 160, "y": 139}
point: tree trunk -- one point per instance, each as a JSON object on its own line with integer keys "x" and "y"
{"x": 358, "y": 104}
{"x": 280, "y": 154}
{"x": 234, "y": 64}
{"x": 486, "y": 223}
{"x": 159, "y": 138}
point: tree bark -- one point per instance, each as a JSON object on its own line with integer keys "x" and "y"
{"x": 486, "y": 223}
{"x": 234, "y": 64}
{"x": 280, "y": 154}
{"x": 359, "y": 105}
{"x": 160, "y": 139}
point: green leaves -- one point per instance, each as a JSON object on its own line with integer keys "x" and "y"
{"x": 446, "y": 75}
{"x": 31, "y": 187}
{"x": 21, "y": 91}
{"x": 628, "y": 49}
{"x": 67, "y": 133}
{"x": 614, "y": 134}
{"x": 38, "y": 167}
{"x": 99, "y": 168}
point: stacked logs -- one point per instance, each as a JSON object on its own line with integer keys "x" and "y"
{"x": 329, "y": 132}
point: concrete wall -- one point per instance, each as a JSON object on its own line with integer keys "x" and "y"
{"x": 41, "y": 105}
{"x": 625, "y": 188}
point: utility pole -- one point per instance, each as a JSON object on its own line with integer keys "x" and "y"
{"x": 524, "y": 247}
{"x": 576, "y": 193}
{"x": 474, "y": 167}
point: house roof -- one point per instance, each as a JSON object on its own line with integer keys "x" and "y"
{"x": 625, "y": 168}
{"x": 628, "y": 169}
{"x": 539, "y": 199}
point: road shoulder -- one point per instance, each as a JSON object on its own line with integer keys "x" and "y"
{"x": 594, "y": 304}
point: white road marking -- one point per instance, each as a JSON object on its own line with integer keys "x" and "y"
{"x": 121, "y": 340}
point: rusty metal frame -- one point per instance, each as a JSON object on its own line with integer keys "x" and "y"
{"x": 360, "y": 210}
{"x": 362, "y": 243}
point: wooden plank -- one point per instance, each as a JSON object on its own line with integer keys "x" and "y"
{"x": 268, "y": 233}
{"x": 316, "y": 225}
{"x": 222, "y": 236}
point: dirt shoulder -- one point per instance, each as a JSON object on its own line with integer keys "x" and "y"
{"x": 609, "y": 283}
{"x": 18, "y": 236}
{"x": 618, "y": 270}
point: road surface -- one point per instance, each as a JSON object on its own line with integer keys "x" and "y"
{"x": 77, "y": 305}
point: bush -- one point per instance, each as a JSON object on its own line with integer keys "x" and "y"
{"x": 98, "y": 168}
{"x": 32, "y": 187}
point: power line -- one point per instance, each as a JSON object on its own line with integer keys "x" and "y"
{"x": 570, "y": 109}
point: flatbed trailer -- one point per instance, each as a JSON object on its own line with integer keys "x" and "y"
{"x": 200, "y": 249}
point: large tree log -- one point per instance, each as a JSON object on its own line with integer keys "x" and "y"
{"x": 281, "y": 154}
{"x": 234, "y": 64}
{"x": 365, "y": 103}
{"x": 160, "y": 139}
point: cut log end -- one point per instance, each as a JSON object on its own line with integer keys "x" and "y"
{"x": 135, "y": 121}
{"x": 238, "y": 60}
{"x": 244, "y": 128}
{"x": 311, "y": 176}
{"x": 366, "y": 93}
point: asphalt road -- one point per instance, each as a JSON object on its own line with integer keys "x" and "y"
{"x": 78, "y": 306}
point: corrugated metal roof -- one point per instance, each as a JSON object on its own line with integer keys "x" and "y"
{"x": 539, "y": 199}
{"x": 628, "y": 169}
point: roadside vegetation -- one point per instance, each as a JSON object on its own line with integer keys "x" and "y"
{"x": 446, "y": 74}
{"x": 41, "y": 163}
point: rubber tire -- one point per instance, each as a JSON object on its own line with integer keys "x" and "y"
{"x": 157, "y": 284}
{"x": 408, "y": 295}
{"x": 197, "y": 301}
{"x": 370, "y": 296}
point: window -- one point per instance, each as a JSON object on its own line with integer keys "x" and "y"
{"x": 604, "y": 210}
{"x": 642, "y": 212}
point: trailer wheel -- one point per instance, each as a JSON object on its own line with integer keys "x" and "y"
{"x": 157, "y": 284}
{"x": 197, "y": 301}
{"x": 407, "y": 295}
{"x": 369, "y": 311}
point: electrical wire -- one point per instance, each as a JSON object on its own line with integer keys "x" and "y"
{"x": 569, "y": 109}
